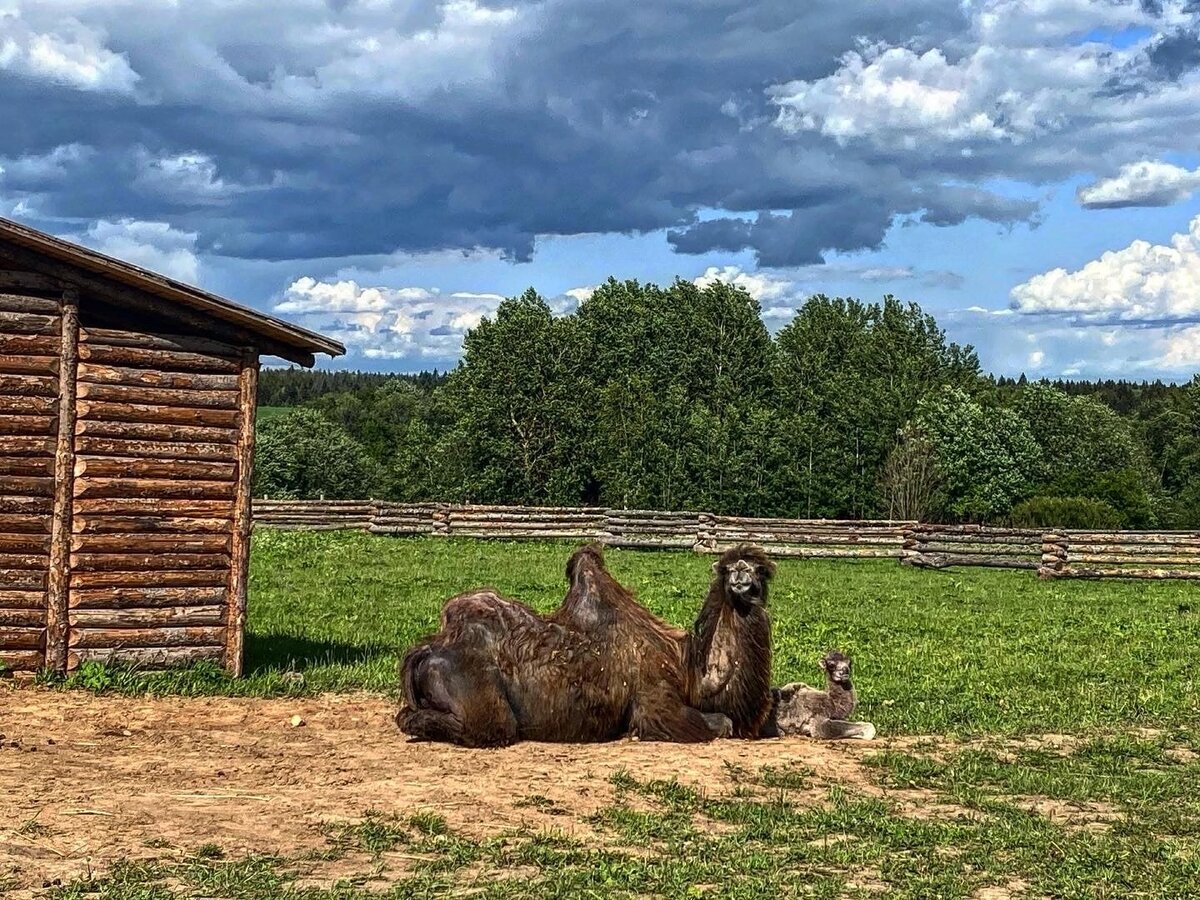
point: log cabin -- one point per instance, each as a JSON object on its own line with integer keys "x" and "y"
{"x": 127, "y": 404}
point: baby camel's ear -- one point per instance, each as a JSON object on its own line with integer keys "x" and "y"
{"x": 716, "y": 567}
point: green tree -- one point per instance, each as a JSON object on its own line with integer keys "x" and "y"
{"x": 987, "y": 458}
{"x": 302, "y": 455}
{"x": 515, "y": 408}
{"x": 1088, "y": 450}
{"x": 849, "y": 377}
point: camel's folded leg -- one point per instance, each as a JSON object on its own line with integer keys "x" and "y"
{"x": 837, "y": 730}
{"x": 663, "y": 716}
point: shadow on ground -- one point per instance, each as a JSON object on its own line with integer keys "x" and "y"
{"x": 274, "y": 652}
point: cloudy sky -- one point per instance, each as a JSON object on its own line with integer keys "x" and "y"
{"x": 387, "y": 170}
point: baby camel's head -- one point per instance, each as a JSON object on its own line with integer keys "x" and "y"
{"x": 837, "y": 667}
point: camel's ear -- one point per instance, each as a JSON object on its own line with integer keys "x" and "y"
{"x": 716, "y": 567}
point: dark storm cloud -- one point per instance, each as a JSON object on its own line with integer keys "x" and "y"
{"x": 347, "y": 128}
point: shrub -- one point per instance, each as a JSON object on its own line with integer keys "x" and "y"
{"x": 1063, "y": 512}
{"x": 303, "y": 456}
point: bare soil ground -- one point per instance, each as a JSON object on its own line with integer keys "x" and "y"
{"x": 102, "y": 779}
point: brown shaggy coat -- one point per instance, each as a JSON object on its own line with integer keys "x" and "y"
{"x": 599, "y": 667}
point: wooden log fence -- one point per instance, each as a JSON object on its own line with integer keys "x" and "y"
{"x": 1052, "y": 554}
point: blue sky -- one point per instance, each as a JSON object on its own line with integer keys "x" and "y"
{"x": 387, "y": 171}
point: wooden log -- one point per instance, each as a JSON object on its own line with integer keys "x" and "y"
{"x": 27, "y": 445}
{"x": 98, "y": 374}
{"x": 166, "y": 360}
{"x": 133, "y": 467}
{"x": 976, "y": 549}
{"x": 1073, "y": 571}
{"x": 28, "y": 486}
{"x": 25, "y": 505}
{"x": 41, "y": 345}
{"x": 21, "y": 660}
{"x": 24, "y": 543}
{"x": 146, "y": 597}
{"x": 387, "y": 529}
{"x": 18, "y": 561}
{"x": 156, "y": 396}
{"x": 27, "y": 364}
{"x": 25, "y": 465}
{"x": 149, "y": 578}
{"x": 150, "y": 543}
{"x": 339, "y": 526}
{"x": 30, "y": 426}
{"x": 22, "y": 638}
{"x": 1116, "y": 559}
{"x": 823, "y": 552}
{"x": 1136, "y": 548}
{"x": 156, "y": 414}
{"x": 133, "y": 562}
{"x": 29, "y": 385}
{"x": 23, "y": 579}
{"x": 149, "y": 525}
{"x": 159, "y": 450}
{"x": 166, "y": 488}
{"x": 148, "y": 617}
{"x": 116, "y": 337}
{"x": 784, "y": 537}
{"x": 243, "y": 519}
{"x": 809, "y": 524}
{"x": 1131, "y": 537}
{"x": 198, "y": 636}
{"x": 573, "y": 535}
{"x": 18, "y": 303}
{"x": 145, "y": 658}
{"x": 28, "y": 323}
{"x": 13, "y": 405}
{"x": 59, "y": 571}
{"x": 977, "y": 538}
{"x": 22, "y": 618}
{"x": 942, "y": 561}
{"x": 144, "y": 506}
{"x": 143, "y": 431}
{"x": 23, "y": 600}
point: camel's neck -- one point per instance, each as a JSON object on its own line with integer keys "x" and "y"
{"x": 842, "y": 699}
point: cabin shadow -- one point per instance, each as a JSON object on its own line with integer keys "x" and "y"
{"x": 289, "y": 652}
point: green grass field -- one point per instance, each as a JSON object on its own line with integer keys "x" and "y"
{"x": 956, "y": 653}
{"x": 969, "y": 659}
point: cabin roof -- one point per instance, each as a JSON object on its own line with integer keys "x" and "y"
{"x": 277, "y": 334}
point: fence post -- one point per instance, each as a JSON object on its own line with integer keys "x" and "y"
{"x": 1054, "y": 555}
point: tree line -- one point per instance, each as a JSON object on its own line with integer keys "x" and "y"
{"x": 680, "y": 398}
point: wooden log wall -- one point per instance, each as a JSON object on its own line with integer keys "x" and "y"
{"x": 160, "y": 451}
{"x": 30, "y": 355}
{"x": 399, "y": 518}
{"x": 1123, "y": 554}
{"x": 939, "y": 546}
{"x": 650, "y": 529}
{"x": 806, "y": 538}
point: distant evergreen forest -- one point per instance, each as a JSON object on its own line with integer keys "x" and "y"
{"x": 679, "y": 397}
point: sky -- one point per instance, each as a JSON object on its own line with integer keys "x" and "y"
{"x": 387, "y": 171}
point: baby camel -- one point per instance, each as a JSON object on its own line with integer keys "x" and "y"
{"x": 800, "y": 709}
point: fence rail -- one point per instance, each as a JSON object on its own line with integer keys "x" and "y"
{"x": 1052, "y": 554}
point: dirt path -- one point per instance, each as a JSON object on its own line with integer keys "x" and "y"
{"x": 101, "y": 777}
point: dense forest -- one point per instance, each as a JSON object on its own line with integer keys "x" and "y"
{"x": 680, "y": 398}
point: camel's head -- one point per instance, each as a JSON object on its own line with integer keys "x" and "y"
{"x": 743, "y": 573}
{"x": 837, "y": 667}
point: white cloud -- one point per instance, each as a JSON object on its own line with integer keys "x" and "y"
{"x": 1036, "y": 358}
{"x": 1146, "y": 183}
{"x": 70, "y": 54}
{"x": 1020, "y": 80}
{"x": 762, "y": 286}
{"x": 153, "y": 245}
{"x": 389, "y": 323}
{"x": 1143, "y": 282}
{"x": 1181, "y": 350}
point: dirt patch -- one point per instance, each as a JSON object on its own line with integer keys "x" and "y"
{"x": 87, "y": 780}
